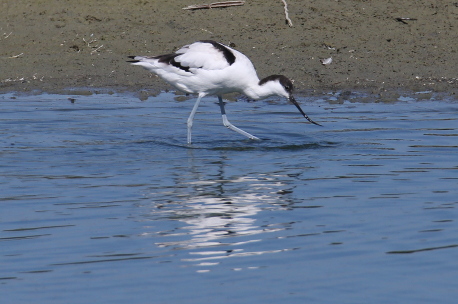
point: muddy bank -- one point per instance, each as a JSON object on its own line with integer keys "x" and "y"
{"x": 53, "y": 46}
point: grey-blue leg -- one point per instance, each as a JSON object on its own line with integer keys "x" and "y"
{"x": 227, "y": 124}
{"x": 191, "y": 116}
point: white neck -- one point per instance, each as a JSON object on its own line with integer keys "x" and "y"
{"x": 256, "y": 91}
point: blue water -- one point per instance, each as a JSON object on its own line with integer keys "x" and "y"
{"x": 102, "y": 201}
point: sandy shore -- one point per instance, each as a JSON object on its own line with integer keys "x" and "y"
{"x": 53, "y": 46}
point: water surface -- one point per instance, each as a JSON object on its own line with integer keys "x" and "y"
{"x": 102, "y": 201}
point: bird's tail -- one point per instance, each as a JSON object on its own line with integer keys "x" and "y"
{"x": 134, "y": 60}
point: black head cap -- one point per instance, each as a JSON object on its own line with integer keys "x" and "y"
{"x": 284, "y": 81}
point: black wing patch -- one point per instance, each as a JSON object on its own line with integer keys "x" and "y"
{"x": 227, "y": 53}
{"x": 170, "y": 59}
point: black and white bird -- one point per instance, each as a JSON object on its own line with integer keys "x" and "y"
{"x": 207, "y": 67}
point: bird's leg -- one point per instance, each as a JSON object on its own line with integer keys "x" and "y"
{"x": 191, "y": 116}
{"x": 227, "y": 124}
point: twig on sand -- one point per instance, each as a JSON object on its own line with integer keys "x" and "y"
{"x": 5, "y": 35}
{"x": 404, "y": 19}
{"x": 214, "y": 5}
{"x": 290, "y": 23}
{"x": 16, "y": 56}
{"x": 97, "y": 48}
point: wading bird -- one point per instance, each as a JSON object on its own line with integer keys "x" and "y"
{"x": 207, "y": 67}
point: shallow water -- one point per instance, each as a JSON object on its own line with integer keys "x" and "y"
{"x": 102, "y": 201}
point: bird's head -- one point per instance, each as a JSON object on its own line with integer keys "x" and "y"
{"x": 280, "y": 85}
{"x": 277, "y": 85}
